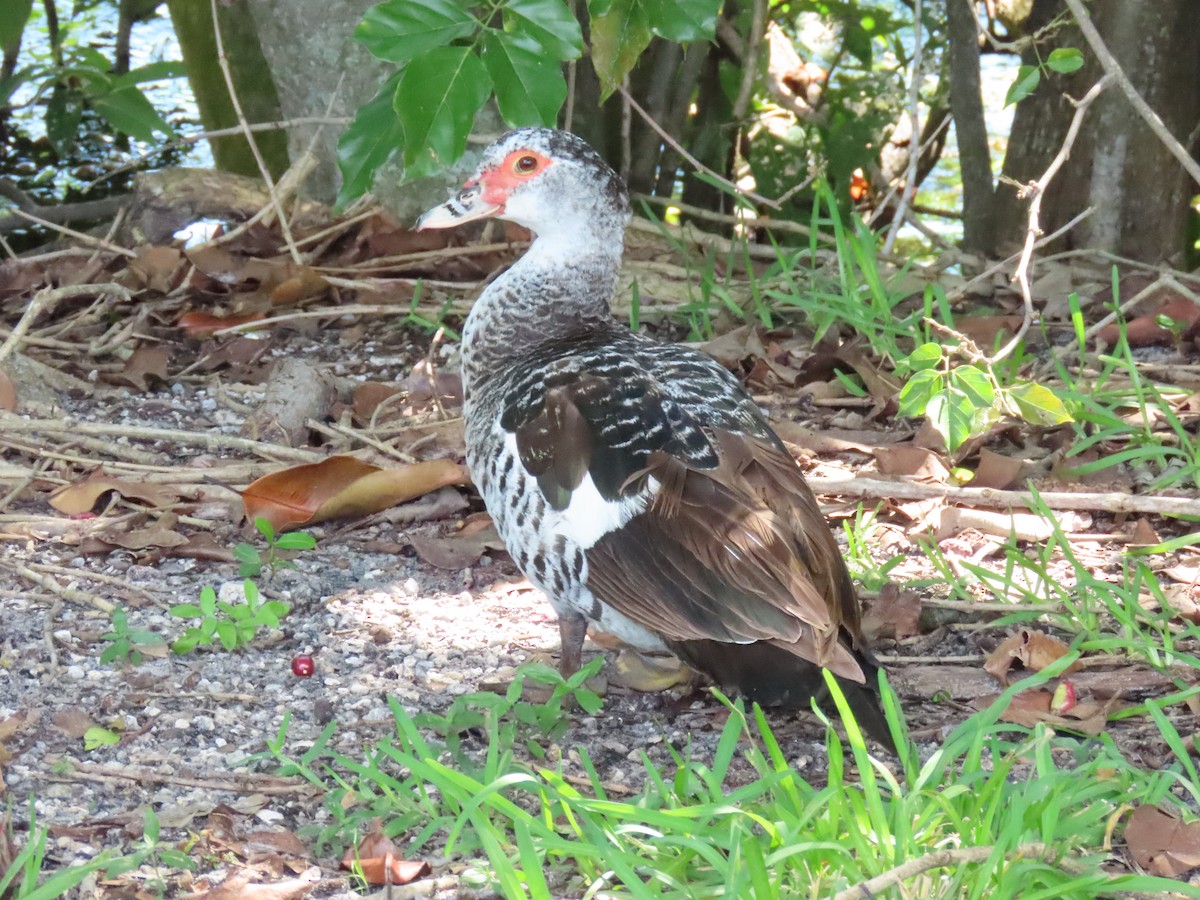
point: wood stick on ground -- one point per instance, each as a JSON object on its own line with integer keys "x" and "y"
{"x": 1033, "y": 231}
{"x": 210, "y": 441}
{"x": 1111, "y": 501}
{"x": 46, "y": 299}
{"x": 271, "y": 785}
{"x": 49, "y": 583}
{"x": 940, "y": 859}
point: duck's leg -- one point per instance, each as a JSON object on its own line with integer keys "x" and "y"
{"x": 572, "y": 629}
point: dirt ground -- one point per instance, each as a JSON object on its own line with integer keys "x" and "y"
{"x": 144, "y": 396}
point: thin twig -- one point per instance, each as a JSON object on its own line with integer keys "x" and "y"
{"x": 46, "y": 299}
{"x": 1114, "y": 71}
{"x": 914, "y": 111}
{"x": 695, "y": 163}
{"x": 1036, "y": 190}
{"x": 940, "y": 859}
{"x": 77, "y": 235}
{"x": 1111, "y": 501}
{"x": 49, "y": 583}
{"x": 276, "y": 202}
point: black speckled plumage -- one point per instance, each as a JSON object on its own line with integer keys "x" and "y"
{"x": 636, "y": 482}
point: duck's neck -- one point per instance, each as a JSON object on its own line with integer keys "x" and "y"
{"x": 561, "y": 288}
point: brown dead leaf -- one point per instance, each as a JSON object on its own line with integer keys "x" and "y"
{"x": 986, "y": 330}
{"x": 1144, "y": 330}
{"x": 1184, "y": 601}
{"x": 237, "y": 353}
{"x": 146, "y": 367}
{"x": 1030, "y": 708}
{"x": 381, "y": 861}
{"x": 155, "y": 267}
{"x": 72, "y": 721}
{"x": 8, "y": 393}
{"x": 293, "y": 284}
{"x": 343, "y": 486}
{"x": 239, "y": 887}
{"x": 910, "y": 461}
{"x": 202, "y": 324}
{"x": 833, "y": 440}
{"x": 735, "y": 347}
{"x": 996, "y": 471}
{"x": 277, "y": 842}
{"x": 368, "y": 396}
{"x": 461, "y": 549}
{"x": 82, "y": 496}
{"x": 895, "y": 614}
{"x": 1033, "y": 650}
{"x": 1162, "y": 844}
{"x": 202, "y": 545}
{"x": 12, "y": 724}
{"x": 157, "y": 536}
{"x": 420, "y": 387}
{"x": 1144, "y": 534}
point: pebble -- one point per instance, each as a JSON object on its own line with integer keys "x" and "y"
{"x": 76, "y": 673}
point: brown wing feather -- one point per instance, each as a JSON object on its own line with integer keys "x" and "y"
{"x": 739, "y": 553}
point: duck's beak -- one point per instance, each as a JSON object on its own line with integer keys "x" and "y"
{"x": 466, "y": 206}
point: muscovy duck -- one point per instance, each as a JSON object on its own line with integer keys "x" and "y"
{"x": 635, "y": 482}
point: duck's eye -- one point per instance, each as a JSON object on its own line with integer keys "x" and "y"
{"x": 526, "y": 164}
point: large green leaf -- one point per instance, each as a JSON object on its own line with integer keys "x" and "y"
{"x": 551, "y": 23}
{"x": 953, "y": 415}
{"x": 127, "y": 110}
{"x": 618, "y": 38}
{"x": 440, "y": 91}
{"x": 1038, "y": 404}
{"x": 368, "y": 142}
{"x": 64, "y": 111}
{"x": 13, "y": 15}
{"x": 683, "y": 20}
{"x": 530, "y": 88}
{"x": 399, "y": 30}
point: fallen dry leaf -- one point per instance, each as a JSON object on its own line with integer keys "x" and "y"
{"x": 145, "y": 368}
{"x": 1035, "y": 707}
{"x": 8, "y": 393}
{"x": 82, "y": 496}
{"x": 381, "y": 861}
{"x": 1144, "y": 330}
{"x": 155, "y": 267}
{"x": 238, "y": 887}
{"x": 420, "y": 387}
{"x": 343, "y": 486}
{"x": 368, "y": 397}
{"x": 894, "y": 614}
{"x": 1033, "y": 650}
{"x": 996, "y": 471}
{"x": 201, "y": 324}
{"x": 72, "y": 721}
{"x": 1162, "y": 844}
{"x": 986, "y": 330}
{"x": 460, "y": 549}
{"x": 911, "y": 461}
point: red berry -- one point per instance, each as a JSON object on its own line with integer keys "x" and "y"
{"x": 303, "y": 665}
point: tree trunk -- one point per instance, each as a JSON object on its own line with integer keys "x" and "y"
{"x": 1139, "y": 193}
{"x": 970, "y": 128}
{"x": 251, "y": 78}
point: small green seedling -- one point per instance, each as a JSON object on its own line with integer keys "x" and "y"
{"x": 253, "y": 561}
{"x": 124, "y": 641}
{"x": 233, "y": 625}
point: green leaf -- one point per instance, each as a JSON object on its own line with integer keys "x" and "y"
{"x": 151, "y": 828}
{"x": 975, "y": 385}
{"x": 127, "y": 110}
{"x": 297, "y": 540}
{"x": 927, "y": 356}
{"x": 1065, "y": 60}
{"x": 1026, "y": 83}
{"x": 401, "y": 30}
{"x": 63, "y": 113}
{"x": 250, "y": 590}
{"x": 96, "y": 737}
{"x": 952, "y": 413}
{"x": 13, "y": 16}
{"x": 369, "y": 141}
{"x": 208, "y": 600}
{"x": 858, "y": 42}
{"x": 915, "y": 396}
{"x": 439, "y": 94}
{"x": 116, "y": 651}
{"x": 227, "y": 634}
{"x": 549, "y": 22}
{"x": 176, "y": 859}
{"x": 530, "y": 88}
{"x": 618, "y": 38}
{"x": 277, "y": 608}
{"x": 1039, "y": 405}
{"x": 265, "y": 528}
{"x": 120, "y": 619}
{"x": 155, "y": 71}
{"x": 186, "y": 611}
{"x": 683, "y": 20}
{"x": 189, "y": 642}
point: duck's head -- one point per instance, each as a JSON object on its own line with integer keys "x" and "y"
{"x": 550, "y": 181}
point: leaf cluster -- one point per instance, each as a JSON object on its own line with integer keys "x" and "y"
{"x": 124, "y": 641}
{"x": 252, "y": 561}
{"x": 452, "y": 56}
{"x": 233, "y": 625}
